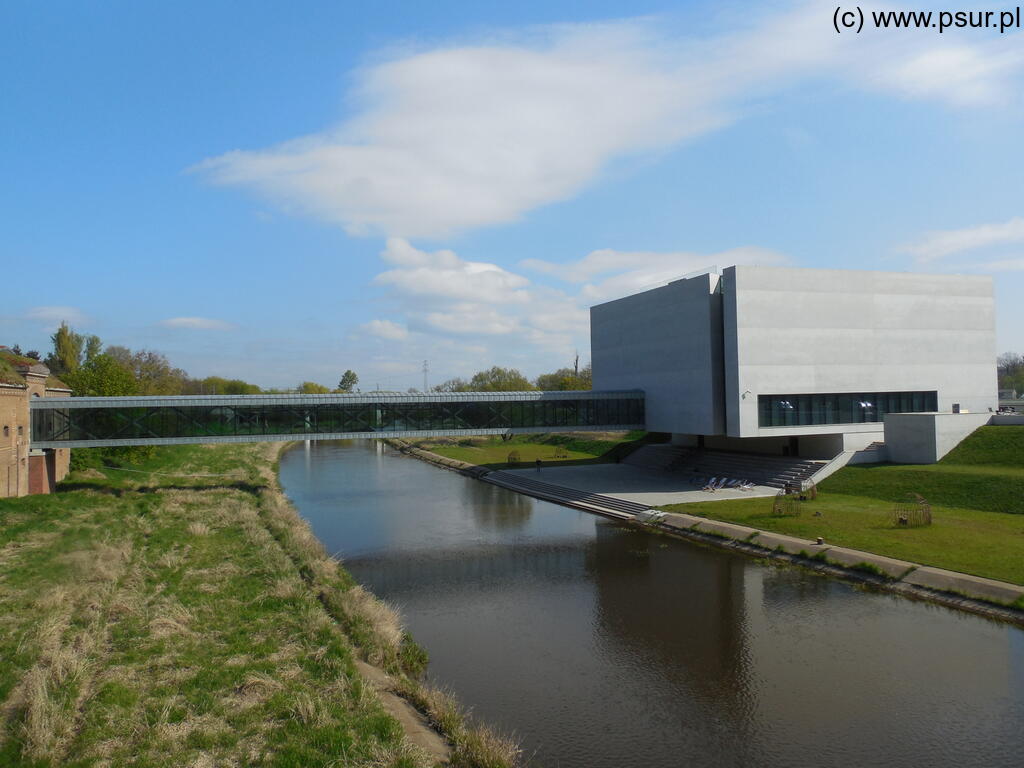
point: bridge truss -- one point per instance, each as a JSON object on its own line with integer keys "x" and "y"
{"x": 74, "y": 422}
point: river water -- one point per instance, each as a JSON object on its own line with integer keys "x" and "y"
{"x": 603, "y": 647}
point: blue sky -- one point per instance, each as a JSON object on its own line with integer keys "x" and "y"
{"x": 280, "y": 192}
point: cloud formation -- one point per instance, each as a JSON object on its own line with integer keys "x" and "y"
{"x": 948, "y": 242}
{"x": 54, "y": 316}
{"x": 507, "y": 317}
{"x": 197, "y": 323}
{"x": 385, "y": 329}
{"x": 443, "y": 274}
{"x": 471, "y": 135}
{"x": 626, "y": 272}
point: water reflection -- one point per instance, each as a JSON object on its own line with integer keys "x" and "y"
{"x": 486, "y": 568}
{"x": 603, "y": 647}
{"x": 496, "y": 509}
{"x": 649, "y": 597}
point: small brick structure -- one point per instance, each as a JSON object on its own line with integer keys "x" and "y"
{"x": 23, "y": 471}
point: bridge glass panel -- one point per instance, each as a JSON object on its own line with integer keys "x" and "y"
{"x": 184, "y": 421}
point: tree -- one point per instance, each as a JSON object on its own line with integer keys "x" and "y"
{"x": 1010, "y": 367}
{"x": 565, "y": 379}
{"x": 498, "y": 379}
{"x": 312, "y": 388}
{"x": 102, "y": 376}
{"x": 152, "y": 371}
{"x": 348, "y": 382}
{"x": 33, "y": 353}
{"x": 93, "y": 346}
{"x": 453, "y": 385}
{"x": 67, "y": 351}
{"x": 216, "y": 385}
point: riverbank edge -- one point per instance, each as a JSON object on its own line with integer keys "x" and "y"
{"x": 416, "y": 725}
{"x": 431, "y": 718}
{"x": 860, "y": 567}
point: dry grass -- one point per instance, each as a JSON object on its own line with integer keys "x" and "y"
{"x": 385, "y": 619}
{"x": 260, "y": 684}
{"x": 173, "y": 620}
{"x": 402, "y": 754}
{"x": 309, "y": 710}
{"x": 288, "y": 588}
{"x": 473, "y": 745}
{"x": 482, "y": 747}
{"x": 192, "y": 627}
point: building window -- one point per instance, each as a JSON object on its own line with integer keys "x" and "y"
{"x": 21, "y": 430}
{"x": 839, "y": 408}
{"x": 7, "y": 431}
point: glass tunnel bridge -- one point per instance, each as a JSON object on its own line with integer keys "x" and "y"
{"x": 84, "y": 422}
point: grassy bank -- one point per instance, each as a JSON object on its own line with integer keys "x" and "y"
{"x": 191, "y": 618}
{"x": 976, "y": 495}
{"x": 562, "y": 449}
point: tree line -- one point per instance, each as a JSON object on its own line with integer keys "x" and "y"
{"x": 498, "y": 379}
{"x": 1010, "y": 367}
{"x": 90, "y": 368}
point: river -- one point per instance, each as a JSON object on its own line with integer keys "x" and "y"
{"x": 599, "y": 646}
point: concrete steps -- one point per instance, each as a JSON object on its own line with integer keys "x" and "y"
{"x": 773, "y": 471}
{"x": 657, "y": 457}
{"x": 584, "y": 500}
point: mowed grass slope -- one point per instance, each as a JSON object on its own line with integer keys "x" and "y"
{"x": 976, "y": 495}
{"x": 561, "y": 449}
{"x": 165, "y": 620}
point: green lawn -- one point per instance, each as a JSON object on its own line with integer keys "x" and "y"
{"x": 493, "y": 452}
{"x": 184, "y": 619}
{"x": 976, "y": 495}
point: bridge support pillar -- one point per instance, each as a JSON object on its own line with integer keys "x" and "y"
{"x": 46, "y": 468}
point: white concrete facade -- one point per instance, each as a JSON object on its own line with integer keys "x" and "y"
{"x": 668, "y": 342}
{"x": 705, "y": 348}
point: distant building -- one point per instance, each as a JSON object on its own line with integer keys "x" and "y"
{"x": 802, "y": 362}
{"x": 24, "y": 471}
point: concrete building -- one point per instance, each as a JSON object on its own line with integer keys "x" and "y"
{"x": 804, "y": 362}
{"x": 24, "y": 471}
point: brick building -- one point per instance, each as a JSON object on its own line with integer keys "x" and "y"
{"x": 23, "y": 471}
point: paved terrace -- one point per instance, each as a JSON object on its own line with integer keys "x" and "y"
{"x": 635, "y": 484}
{"x": 81, "y": 422}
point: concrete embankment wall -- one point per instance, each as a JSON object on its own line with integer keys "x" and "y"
{"x": 924, "y": 438}
{"x": 988, "y": 597}
{"x": 899, "y": 575}
{"x": 464, "y": 467}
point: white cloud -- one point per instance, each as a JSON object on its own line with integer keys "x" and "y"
{"x": 385, "y": 329}
{"x": 627, "y": 272}
{"x": 54, "y": 316}
{"x": 942, "y": 243}
{"x": 473, "y": 320}
{"x": 1002, "y": 265}
{"x": 443, "y": 274}
{"x": 197, "y": 323}
{"x": 490, "y": 315}
{"x": 964, "y": 75}
{"x": 471, "y": 135}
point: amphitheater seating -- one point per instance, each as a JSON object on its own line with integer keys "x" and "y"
{"x": 773, "y": 471}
